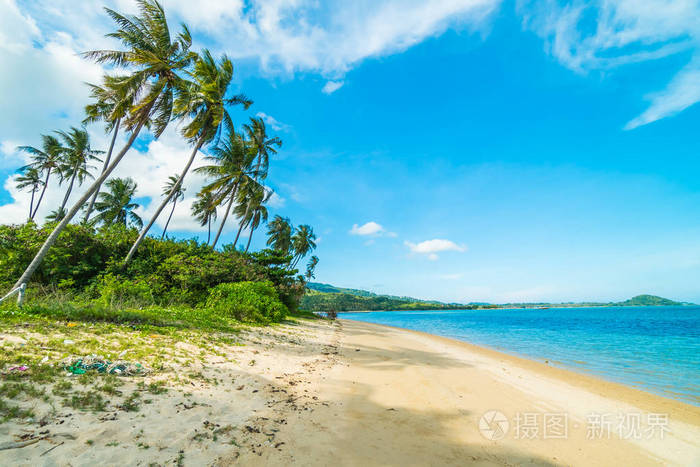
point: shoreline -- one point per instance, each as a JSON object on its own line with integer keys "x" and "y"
{"x": 318, "y": 393}
{"x": 648, "y": 400}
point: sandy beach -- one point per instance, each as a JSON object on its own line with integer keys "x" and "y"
{"x": 350, "y": 393}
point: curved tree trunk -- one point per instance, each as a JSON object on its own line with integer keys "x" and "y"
{"x": 223, "y": 221}
{"x": 250, "y": 237}
{"x": 31, "y": 204}
{"x": 240, "y": 227}
{"x": 208, "y": 229}
{"x": 167, "y": 199}
{"x": 104, "y": 167}
{"x": 53, "y": 236}
{"x": 165, "y": 229}
{"x": 70, "y": 188}
{"x": 46, "y": 182}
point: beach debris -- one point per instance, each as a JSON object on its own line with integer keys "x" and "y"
{"x": 81, "y": 365}
{"x": 21, "y": 444}
{"x": 68, "y": 342}
{"x": 52, "y": 448}
{"x": 18, "y": 368}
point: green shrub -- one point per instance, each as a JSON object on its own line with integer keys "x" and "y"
{"x": 254, "y": 302}
{"x": 119, "y": 292}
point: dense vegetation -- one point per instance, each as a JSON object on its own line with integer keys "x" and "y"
{"x": 105, "y": 258}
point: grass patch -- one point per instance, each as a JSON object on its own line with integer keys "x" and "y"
{"x": 87, "y": 400}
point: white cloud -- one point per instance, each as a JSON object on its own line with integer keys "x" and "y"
{"x": 370, "y": 228}
{"x": 332, "y": 86}
{"x": 623, "y": 32}
{"x": 273, "y": 122}
{"x": 431, "y": 248}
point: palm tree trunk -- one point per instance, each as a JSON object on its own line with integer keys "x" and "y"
{"x": 70, "y": 188}
{"x": 43, "y": 190}
{"x": 31, "y": 204}
{"x": 250, "y": 237}
{"x": 53, "y": 236}
{"x": 240, "y": 227}
{"x": 223, "y": 221}
{"x": 169, "y": 217}
{"x": 208, "y": 229}
{"x": 144, "y": 231}
{"x": 104, "y": 167}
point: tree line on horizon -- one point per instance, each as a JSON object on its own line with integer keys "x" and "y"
{"x": 161, "y": 80}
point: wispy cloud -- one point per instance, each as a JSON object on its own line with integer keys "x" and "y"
{"x": 273, "y": 122}
{"x": 431, "y": 248}
{"x": 604, "y": 34}
{"x": 332, "y": 86}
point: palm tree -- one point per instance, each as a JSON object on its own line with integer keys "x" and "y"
{"x": 111, "y": 104}
{"x": 231, "y": 166}
{"x": 302, "y": 242}
{"x": 116, "y": 206}
{"x": 204, "y": 210}
{"x": 155, "y": 59}
{"x": 257, "y": 135}
{"x": 203, "y": 101}
{"x": 175, "y": 191}
{"x": 77, "y": 154}
{"x": 279, "y": 233}
{"x": 30, "y": 178}
{"x": 310, "y": 268}
{"x": 46, "y": 160}
{"x": 56, "y": 215}
{"x": 246, "y": 192}
{"x": 256, "y": 212}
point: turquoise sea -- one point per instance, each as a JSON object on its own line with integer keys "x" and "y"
{"x": 656, "y": 349}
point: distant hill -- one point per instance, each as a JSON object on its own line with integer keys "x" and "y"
{"x": 326, "y": 297}
{"x": 649, "y": 300}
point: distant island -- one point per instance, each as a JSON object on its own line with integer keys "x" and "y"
{"x": 326, "y": 297}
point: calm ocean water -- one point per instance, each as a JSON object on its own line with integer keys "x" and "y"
{"x": 653, "y": 348}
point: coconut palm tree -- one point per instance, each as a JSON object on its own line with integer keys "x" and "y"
{"x": 155, "y": 57}
{"x": 279, "y": 234}
{"x": 302, "y": 242}
{"x": 77, "y": 155}
{"x": 203, "y": 101}
{"x": 256, "y": 133}
{"x": 30, "y": 178}
{"x": 310, "y": 268}
{"x": 247, "y": 192}
{"x": 56, "y": 215}
{"x": 231, "y": 165}
{"x": 111, "y": 104}
{"x": 116, "y": 206}
{"x": 257, "y": 213}
{"x": 46, "y": 160}
{"x": 175, "y": 191}
{"x": 204, "y": 210}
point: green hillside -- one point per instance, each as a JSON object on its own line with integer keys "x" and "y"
{"x": 649, "y": 300}
{"x": 326, "y": 297}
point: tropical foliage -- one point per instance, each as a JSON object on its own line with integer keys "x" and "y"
{"x": 157, "y": 79}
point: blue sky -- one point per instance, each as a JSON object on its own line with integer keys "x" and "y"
{"x": 461, "y": 151}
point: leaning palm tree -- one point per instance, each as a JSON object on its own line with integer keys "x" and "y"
{"x": 77, "y": 155}
{"x": 257, "y": 213}
{"x": 279, "y": 233}
{"x": 302, "y": 242}
{"x": 176, "y": 192}
{"x": 30, "y": 178}
{"x": 245, "y": 199}
{"x": 231, "y": 166}
{"x": 203, "y": 101}
{"x": 111, "y": 104}
{"x": 310, "y": 268}
{"x": 204, "y": 210}
{"x": 116, "y": 206}
{"x": 46, "y": 160}
{"x": 56, "y": 215}
{"x": 155, "y": 58}
{"x": 264, "y": 145}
